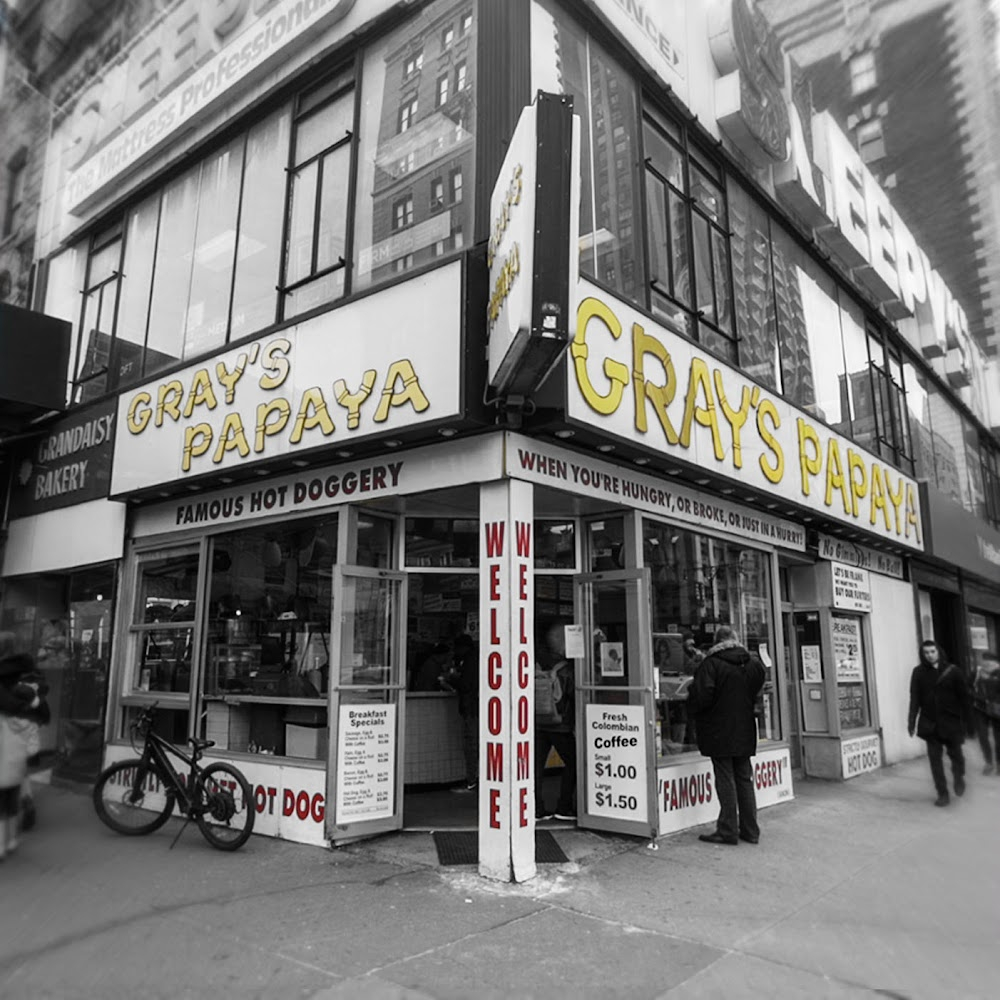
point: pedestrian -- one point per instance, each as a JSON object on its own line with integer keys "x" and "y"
{"x": 722, "y": 698}
{"x": 555, "y": 723}
{"x": 16, "y": 699}
{"x": 939, "y": 712}
{"x": 986, "y": 703}
{"x": 464, "y": 680}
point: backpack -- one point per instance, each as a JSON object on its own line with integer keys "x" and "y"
{"x": 548, "y": 694}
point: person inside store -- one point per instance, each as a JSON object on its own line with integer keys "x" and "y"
{"x": 555, "y": 722}
{"x": 986, "y": 704}
{"x": 432, "y": 672}
{"x": 463, "y": 679}
{"x": 721, "y": 701}
{"x": 692, "y": 654}
{"x": 940, "y": 715}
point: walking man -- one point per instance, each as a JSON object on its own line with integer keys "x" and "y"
{"x": 939, "y": 709}
{"x": 722, "y": 697}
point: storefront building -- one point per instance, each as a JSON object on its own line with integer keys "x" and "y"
{"x": 298, "y": 301}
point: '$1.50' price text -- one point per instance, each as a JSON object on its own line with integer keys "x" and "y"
{"x": 616, "y": 801}
{"x": 612, "y": 771}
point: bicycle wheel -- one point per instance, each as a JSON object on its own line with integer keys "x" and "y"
{"x": 224, "y": 807}
{"x": 124, "y": 801}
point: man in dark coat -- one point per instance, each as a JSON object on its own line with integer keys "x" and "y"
{"x": 939, "y": 710}
{"x": 722, "y": 698}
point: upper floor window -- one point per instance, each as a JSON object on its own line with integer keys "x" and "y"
{"x": 413, "y": 64}
{"x": 97, "y": 323}
{"x": 864, "y": 76}
{"x": 442, "y": 90}
{"x": 465, "y": 24}
{"x": 437, "y": 193}
{"x": 447, "y": 37}
{"x": 407, "y": 113}
{"x": 402, "y": 212}
{"x": 315, "y": 247}
{"x": 460, "y": 77}
{"x": 456, "y": 185}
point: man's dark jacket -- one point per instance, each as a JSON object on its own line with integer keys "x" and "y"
{"x": 942, "y": 699}
{"x": 722, "y": 697}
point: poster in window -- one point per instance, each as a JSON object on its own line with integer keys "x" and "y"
{"x": 847, "y": 650}
{"x": 613, "y": 659}
{"x": 812, "y": 666}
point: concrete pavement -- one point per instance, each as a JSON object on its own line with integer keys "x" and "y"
{"x": 855, "y": 890}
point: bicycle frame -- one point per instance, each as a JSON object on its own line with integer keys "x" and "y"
{"x": 156, "y": 756}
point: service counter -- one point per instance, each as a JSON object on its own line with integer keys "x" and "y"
{"x": 433, "y": 739}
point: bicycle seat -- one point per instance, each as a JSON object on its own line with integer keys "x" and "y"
{"x": 200, "y": 745}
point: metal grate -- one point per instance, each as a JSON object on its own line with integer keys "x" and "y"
{"x": 461, "y": 847}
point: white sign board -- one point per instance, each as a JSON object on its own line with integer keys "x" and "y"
{"x": 860, "y": 755}
{"x": 348, "y": 374}
{"x": 847, "y": 653}
{"x": 688, "y": 797}
{"x": 812, "y": 665}
{"x": 634, "y": 379}
{"x": 616, "y": 762}
{"x": 852, "y": 588}
{"x": 549, "y": 465}
{"x": 366, "y": 762}
{"x": 452, "y": 463}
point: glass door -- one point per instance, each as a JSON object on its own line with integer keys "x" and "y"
{"x": 616, "y": 712}
{"x": 791, "y": 685}
{"x": 367, "y": 703}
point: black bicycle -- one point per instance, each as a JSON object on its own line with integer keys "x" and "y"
{"x": 138, "y": 795}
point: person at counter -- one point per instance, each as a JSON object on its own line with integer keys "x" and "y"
{"x": 431, "y": 674}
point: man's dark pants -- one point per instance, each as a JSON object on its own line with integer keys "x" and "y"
{"x": 935, "y": 754}
{"x": 565, "y": 744}
{"x": 737, "y": 803}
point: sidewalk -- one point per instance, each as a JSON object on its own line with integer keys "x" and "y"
{"x": 855, "y": 890}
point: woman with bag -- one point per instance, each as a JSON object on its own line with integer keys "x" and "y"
{"x": 16, "y": 699}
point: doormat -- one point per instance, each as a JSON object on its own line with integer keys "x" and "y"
{"x": 461, "y": 847}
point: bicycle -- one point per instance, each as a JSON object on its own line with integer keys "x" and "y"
{"x": 138, "y": 795}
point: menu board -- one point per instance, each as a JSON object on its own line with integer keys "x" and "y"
{"x": 616, "y": 762}
{"x": 366, "y": 762}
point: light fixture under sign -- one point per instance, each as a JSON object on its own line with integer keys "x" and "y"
{"x": 565, "y": 433}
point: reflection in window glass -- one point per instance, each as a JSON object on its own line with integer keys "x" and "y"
{"x": 555, "y": 544}
{"x": 62, "y": 294}
{"x": 697, "y": 584}
{"x": 172, "y": 276}
{"x": 808, "y": 317}
{"x": 973, "y": 471}
{"x": 945, "y": 424}
{"x": 565, "y": 60}
{"x": 851, "y": 671}
{"x": 407, "y": 143}
{"x": 753, "y": 288}
{"x": 214, "y": 250}
{"x": 856, "y": 385}
{"x": 257, "y": 259}
{"x": 442, "y": 541}
{"x": 133, "y": 308}
{"x": 606, "y": 540}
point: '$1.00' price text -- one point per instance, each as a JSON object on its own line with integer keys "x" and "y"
{"x": 613, "y": 771}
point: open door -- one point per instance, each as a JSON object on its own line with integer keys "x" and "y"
{"x": 616, "y": 712}
{"x": 367, "y": 704}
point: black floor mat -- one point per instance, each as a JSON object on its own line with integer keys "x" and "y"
{"x": 461, "y": 847}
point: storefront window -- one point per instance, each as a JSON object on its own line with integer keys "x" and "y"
{"x": 849, "y": 663}
{"x": 408, "y": 140}
{"x": 698, "y": 583}
{"x": 555, "y": 545}
{"x": 64, "y": 621}
{"x": 606, "y": 544}
{"x": 566, "y": 60}
{"x": 442, "y": 541}
{"x": 163, "y": 623}
{"x": 268, "y": 650}
{"x": 442, "y": 606}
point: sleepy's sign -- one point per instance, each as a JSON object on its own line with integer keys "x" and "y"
{"x": 68, "y": 463}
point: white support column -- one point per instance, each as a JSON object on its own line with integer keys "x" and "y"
{"x": 506, "y": 690}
